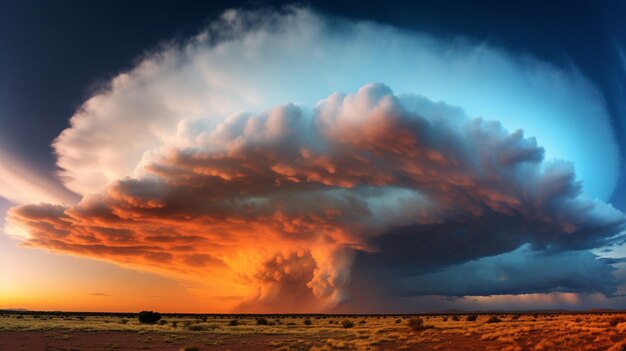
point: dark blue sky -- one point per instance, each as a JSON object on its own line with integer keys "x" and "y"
{"x": 54, "y": 54}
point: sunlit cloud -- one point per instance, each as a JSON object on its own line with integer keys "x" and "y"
{"x": 282, "y": 205}
{"x": 249, "y": 61}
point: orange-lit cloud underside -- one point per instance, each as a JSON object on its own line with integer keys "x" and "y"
{"x": 274, "y": 206}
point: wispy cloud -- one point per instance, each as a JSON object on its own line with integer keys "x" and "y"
{"x": 21, "y": 183}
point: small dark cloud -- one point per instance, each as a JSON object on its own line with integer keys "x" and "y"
{"x": 99, "y": 294}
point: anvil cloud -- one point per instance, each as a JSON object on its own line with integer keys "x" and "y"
{"x": 250, "y": 61}
{"x": 208, "y": 163}
{"x": 288, "y": 196}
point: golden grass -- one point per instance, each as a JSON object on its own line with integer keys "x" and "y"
{"x": 546, "y": 332}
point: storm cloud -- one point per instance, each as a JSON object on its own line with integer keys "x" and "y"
{"x": 252, "y": 60}
{"x": 290, "y": 200}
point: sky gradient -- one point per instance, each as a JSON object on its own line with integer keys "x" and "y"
{"x": 312, "y": 158}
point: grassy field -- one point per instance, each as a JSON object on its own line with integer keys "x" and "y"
{"x": 584, "y": 331}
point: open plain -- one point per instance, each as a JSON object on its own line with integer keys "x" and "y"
{"x": 109, "y": 332}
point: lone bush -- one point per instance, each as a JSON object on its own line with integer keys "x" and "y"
{"x": 455, "y": 318}
{"x": 493, "y": 319}
{"x": 261, "y": 321}
{"x": 149, "y": 317}
{"x": 196, "y": 327}
{"x": 307, "y": 321}
{"x": 417, "y": 324}
{"x": 233, "y": 323}
{"x": 347, "y": 324}
{"x": 615, "y": 321}
{"x": 471, "y": 317}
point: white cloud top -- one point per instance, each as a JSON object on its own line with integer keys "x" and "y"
{"x": 249, "y": 61}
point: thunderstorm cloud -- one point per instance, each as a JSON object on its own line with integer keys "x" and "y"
{"x": 206, "y": 161}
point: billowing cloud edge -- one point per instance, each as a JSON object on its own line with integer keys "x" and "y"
{"x": 276, "y": 205}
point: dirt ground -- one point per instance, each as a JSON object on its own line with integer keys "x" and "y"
{"x": 63, "y": 340}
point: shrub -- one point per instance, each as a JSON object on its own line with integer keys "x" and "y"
{"x": 307, "y": 321}
{"x": 471, "y": 317}
{"x": 416, "y": 324}
{"x": 149, "y": 317}
{"x": 261, "y": 321}
{"x": 347, "y": 324}
{"x": 615, "y": 321}
{"x": 398, "y": 321}
{"x": 233, "y": 323}
{"x": 445, "y": 318}
{"x": 196, "y": 327}
{"x": 174, "y": 324}
{"x": 362, "y": 322}
{"x": 493, "y": 319}
{"x": 455, "y": 318}
{"x": 162, "y": 322}
{"x": 515, "y": 317}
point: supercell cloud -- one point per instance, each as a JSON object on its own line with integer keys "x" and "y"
{"x": 250, "y": 61}
{"x": 207, "y": 163}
